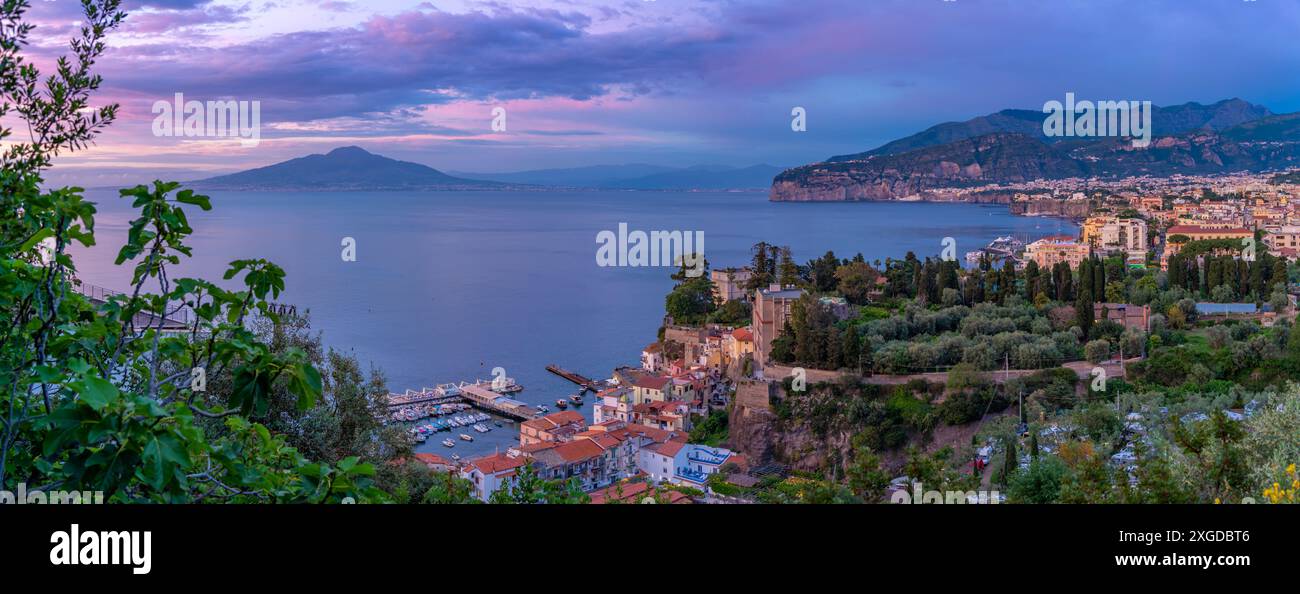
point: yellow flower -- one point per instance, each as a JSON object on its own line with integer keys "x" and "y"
{"x": 1291, "y": 469}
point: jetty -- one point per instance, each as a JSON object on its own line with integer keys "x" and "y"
{"x": 174, "y": 322}
{"x": 584, "y": 382}
{"x": 482, "y": 396}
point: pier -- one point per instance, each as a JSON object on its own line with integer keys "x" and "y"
{"x": 177, "y": 321}
{"x": 583, "y": 381}
{"x": 483, "y": 397}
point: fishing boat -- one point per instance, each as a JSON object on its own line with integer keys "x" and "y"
{"x": 466, "y": 437}
{"x": 576, "y": 399}
{"x": 497, "y": 423}
{"x": 561, "y": 404}
{"x": 449, "y": 443}
{"x": 543, "y": 409}
{"x": 455, "y": 457}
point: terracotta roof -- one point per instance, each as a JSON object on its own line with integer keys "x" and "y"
{"x": 578, "y": 450}
{"x": 496, "y": 463}
{"x": 432, "y": 459}
{"x": 669, "y": 448}
{"x": 742, "y": 334}
{"x": 558, "y": 419}
{"x": 653, "y": 348}
{"x": 652, "y": 382}
{"x": 605, "y": 440}
{"x": 655, "y": 434}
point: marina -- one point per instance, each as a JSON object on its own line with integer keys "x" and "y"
{"x": 476, "y": 417}
{"x": 450, "y": 398}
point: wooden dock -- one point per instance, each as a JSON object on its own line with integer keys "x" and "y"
{"x": 482, "y": 397}
{"x": 582, "y": 381}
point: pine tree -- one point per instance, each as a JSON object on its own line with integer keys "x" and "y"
{"x": 787, "y": 270}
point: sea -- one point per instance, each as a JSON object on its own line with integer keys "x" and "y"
{"x": 446, "y": 286}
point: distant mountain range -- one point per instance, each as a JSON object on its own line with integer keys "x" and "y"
{"x": 639, "y": 176}
{"x": 346, "y": 168}
{"x": 354, "y": 168}
{"x": 1009, "y": 146}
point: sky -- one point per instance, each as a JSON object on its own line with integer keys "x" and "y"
{"x": 666, "y": 82}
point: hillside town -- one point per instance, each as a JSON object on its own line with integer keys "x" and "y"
{"x": 658, "y": 430}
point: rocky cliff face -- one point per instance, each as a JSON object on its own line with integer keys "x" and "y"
{"x": 810, "y": 435}
{"x": 794, "y": 442}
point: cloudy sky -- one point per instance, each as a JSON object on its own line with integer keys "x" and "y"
{"x": 670, "y": 82}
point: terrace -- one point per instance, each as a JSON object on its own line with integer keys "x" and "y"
{"x": 707, "y": 456}
{"x": 693, "y": 476}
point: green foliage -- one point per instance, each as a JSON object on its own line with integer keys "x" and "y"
{"x": 735, "y": 313}
{"x": 98, "y": 394}
{"x": 529, "y": 488}
{"x": 866, "y": 477}
{"x": 1040, "y": 483}
{"x": 691, "y": 301}
{"x": 712, "y": 430}
{"x": 447, "y": 488}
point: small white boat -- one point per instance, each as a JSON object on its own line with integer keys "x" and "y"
{"x": 449, "y": 443}
{"x": 466, "y": 437}
{"x": 455, "y": 457}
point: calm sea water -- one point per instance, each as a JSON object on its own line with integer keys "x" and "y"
{"x": 448, "y": 285}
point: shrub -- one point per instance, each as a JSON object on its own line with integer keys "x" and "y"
{"x": 1097, "y": 351}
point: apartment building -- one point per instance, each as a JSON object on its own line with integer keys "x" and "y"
{"x": 1049, "y": 251}
{"x": 1105, "y": 235}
